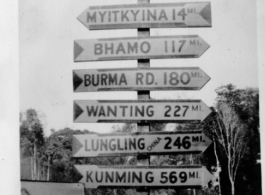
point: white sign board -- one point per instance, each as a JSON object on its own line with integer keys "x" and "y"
{"x": 92, "y": 145}
{"x": 133, "y": 48}
{"x": 166, "y": 15}
{"x": 135, "y": 79}
{"x": 145, "y": 176}
{"x": 94, "y": 111}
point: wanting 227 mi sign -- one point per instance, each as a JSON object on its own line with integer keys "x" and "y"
{"x": 96, "y": 111}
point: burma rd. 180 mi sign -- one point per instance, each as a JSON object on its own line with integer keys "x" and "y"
{"x": 145, "y": 176}
{"x": 94, "y": 111}
{"x": 166, "y": 15}
{"x": 133, "y": 48}
{"x": 139, "y": 79}
{"x": 92, "y": 145}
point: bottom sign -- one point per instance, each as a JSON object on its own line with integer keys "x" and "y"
{"x": 143, "y": 176}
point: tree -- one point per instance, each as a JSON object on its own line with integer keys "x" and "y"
{"x": 234, "y": 125}
{"x": 31, "y": 138}
{"x": 57, "y": 156}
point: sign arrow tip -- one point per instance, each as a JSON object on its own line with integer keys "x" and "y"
{"x": 206, "y": 111}
{"x": 207, "y": 142}
{"x": 206, "y": 78}
{"x": 77, "y": 111}
{"x": 206, "y": 13}
{"x": 76, "y": 145}
{"x": 78, "y": 168}
{"x": 207, "y": 176}
{"x": 77, "y": 50}
{"x": 77, "y": 80}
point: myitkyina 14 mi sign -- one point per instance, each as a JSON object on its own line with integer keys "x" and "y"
{"x": 162, "y": 15}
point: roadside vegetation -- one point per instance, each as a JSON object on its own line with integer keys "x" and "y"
{"x": 233, "y": 157}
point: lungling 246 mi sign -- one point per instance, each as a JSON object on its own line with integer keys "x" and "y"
{"x": 92, "y": 145}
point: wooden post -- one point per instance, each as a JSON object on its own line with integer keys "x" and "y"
{"x": 143, "y": 95}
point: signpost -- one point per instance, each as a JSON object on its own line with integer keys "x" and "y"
{"x": 94, "y": 111}
{"x": 143, "y": 176}
{"x": 133, "y": 79}
{"x": 94, "y": 145}
{"x": 133, "y": 48}
{"x": 141, "y": 79}
{"x": 164, "y": 15}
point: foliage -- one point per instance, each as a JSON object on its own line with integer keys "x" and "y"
{"x": 233, "y": 125}
{"x": 58, "y": 156}
{"x": 31, "y": 139}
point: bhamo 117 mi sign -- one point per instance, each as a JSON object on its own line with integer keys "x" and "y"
{"x": 133, "y": 48}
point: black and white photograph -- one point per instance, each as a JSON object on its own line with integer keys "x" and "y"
{"x": 145, "y": 97}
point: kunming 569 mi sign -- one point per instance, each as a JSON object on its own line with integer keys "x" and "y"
{"x": 92, "y": 145}
{"x": 94, "y": 111}
{"x": 166, "y": 15}
{"x": 139, "y": 79}
{"x": 133, "y": 48}
{"x": 147, "y": 176}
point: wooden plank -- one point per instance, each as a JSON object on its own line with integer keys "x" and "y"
{"x": 94, "y": 145}
{"x": 133, "y": 48}
{"x": 143, "y": 176}
{"x": 48, "y": 188}
{"x": 162, "y": 15}
{"x": 139, "y": 79}
{"x": 94, "y": 111}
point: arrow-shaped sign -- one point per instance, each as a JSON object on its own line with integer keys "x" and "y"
{"x": 148, "y": 176}
{"x": 133, "y": 48}
{"x": 94, "y": 111}
{"x": 166, "y": 15}
{"x": 92, "y": 145}
{"x": 135, "y": 79}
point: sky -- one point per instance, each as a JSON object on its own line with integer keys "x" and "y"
{"x": 47, "y": 30}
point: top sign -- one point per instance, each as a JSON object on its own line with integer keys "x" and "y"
{"x": 166, "y": 15}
